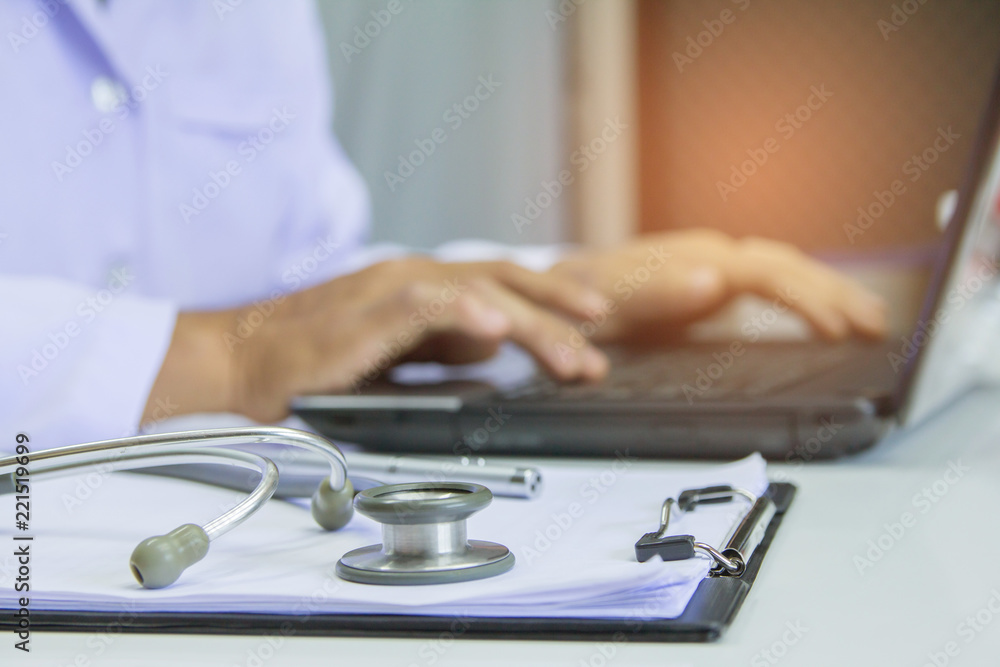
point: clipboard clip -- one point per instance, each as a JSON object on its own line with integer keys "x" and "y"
{"x": 732, "y": 559}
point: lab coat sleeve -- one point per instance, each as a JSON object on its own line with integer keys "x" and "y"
{"x": 535, "y": 257}
{"x": 76, "y": 364}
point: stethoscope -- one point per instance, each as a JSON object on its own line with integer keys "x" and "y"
{"x": 423, "y": 524}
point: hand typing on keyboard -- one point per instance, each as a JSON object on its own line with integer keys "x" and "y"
{"x": 346, "y": 331}
{"x": 658, "y": 284}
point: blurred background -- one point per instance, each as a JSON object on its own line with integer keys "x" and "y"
{"x": 691, "y": 96}
{"x": 398, "y": 89}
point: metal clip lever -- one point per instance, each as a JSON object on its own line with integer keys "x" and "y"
{"x": 672, "y": 547}
{"x": 745, "y": 538}
{"x": 691, "y": 498}
{"x": 679, "y": 547}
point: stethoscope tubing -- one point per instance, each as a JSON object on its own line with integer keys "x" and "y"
{"x": 144, "y": 451}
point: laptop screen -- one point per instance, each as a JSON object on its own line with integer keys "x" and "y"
{"x": 958, "y": 331}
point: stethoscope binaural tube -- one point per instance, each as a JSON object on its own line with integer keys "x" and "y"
{"x": 159, "y": 561}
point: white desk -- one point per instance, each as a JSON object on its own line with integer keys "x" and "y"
{"x": 906, "y": 605}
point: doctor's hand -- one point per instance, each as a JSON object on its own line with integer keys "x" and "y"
{"x": 342, "y": 334}
{"x": 658, "y": 284}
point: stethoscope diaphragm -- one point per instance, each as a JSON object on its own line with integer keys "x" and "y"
{"x": 424, "y": 537}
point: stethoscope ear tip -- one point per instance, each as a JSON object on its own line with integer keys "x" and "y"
{"x": 160, "y": 560}
{"x": 332, "y": 508}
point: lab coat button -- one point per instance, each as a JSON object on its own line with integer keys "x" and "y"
{"x": 106, "y": 94}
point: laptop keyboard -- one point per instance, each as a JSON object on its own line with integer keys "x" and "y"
{"x": 668, "y": 374}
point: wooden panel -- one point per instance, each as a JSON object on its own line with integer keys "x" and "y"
{"x": 711, "y": 108}
{"x": 604, "y": 103}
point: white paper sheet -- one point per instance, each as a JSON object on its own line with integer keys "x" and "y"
{"x": 574, "y": 548}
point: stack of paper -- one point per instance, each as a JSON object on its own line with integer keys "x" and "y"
{"x": 574, "y": 548}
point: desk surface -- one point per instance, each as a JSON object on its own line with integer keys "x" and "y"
{"x": 884, "y": 559}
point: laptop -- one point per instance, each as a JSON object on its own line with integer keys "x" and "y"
{"x": 787, "y": 400}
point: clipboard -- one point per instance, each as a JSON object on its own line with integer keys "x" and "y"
{"x": 709, "y": 612}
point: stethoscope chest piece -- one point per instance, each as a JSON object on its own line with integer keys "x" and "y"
{"x": 424, "y": 536}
